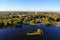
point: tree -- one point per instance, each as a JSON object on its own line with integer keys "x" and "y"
{"x": 55, "y": 17}
{"x": 46, "y": 21}
{"x": 32, "y": 22}
{"x": 5, "y": 23}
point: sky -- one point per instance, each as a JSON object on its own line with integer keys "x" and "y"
{"x": 29, "y": 5}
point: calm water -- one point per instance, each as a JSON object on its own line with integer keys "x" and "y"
{"x": 50, "y": 33}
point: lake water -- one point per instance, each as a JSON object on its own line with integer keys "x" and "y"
{"x": 50, "y": 33}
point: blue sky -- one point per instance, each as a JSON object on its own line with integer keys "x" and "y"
{"x": 29, "y": 5}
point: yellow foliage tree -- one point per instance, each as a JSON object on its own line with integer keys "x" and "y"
{"x": 5, "y": 22}
{"x": 9, "y": 21}
{"x": 32, "y": 22}
{"x": 46, "y": 21}
{"x": 55, "y": 17}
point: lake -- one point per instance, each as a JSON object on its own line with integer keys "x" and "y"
{"x": 50, "y": 33}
